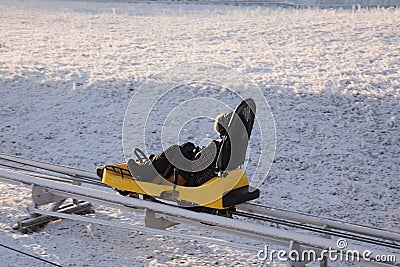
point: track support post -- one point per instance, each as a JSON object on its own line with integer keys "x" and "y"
{"x": 153, "y": 221}
{"x": 296, "y": 252}
{"x": 55, "y": 203}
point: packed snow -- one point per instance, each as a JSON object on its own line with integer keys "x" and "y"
{"x": 68, "y": 70}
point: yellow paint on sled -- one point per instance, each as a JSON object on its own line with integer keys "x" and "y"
{"x": 209, "y": 194}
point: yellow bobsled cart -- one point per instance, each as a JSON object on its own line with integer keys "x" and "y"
{"x": 228, "y": 188}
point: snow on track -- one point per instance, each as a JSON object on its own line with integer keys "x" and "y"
{"x": 68, "y": 70}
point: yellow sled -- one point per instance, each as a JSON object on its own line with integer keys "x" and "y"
{"x": 217, "y": 193}
{"x": 222, "y": 192}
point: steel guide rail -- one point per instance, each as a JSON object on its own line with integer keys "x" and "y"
{"x": 169, "y": 215}
{"x": 320, "y": 221}
{"x": 324, "y": 223}
{"x": 324, "y": 229}
{"x": 51, "y": 167}
{"x": 178, "y": 215}
{"x": 40, "y": 174}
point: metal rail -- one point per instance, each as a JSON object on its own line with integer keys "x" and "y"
{"x": 310, "y": 226}
{"x": 162, "y": 216}
{"x": 50, "y": 167}
{"x": 274, "y": 214}
{"x": 262, "y": 233}
{"x": 321, "y": 230}
{"x": 324, "y": 223}
{"x": 291, "y": 219}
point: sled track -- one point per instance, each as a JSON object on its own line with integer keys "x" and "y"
{"x": 272, "y": 226}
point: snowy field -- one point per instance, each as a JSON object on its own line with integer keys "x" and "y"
{"x": 331, "y": 77}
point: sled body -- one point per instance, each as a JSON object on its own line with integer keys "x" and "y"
{"x": 224, "y": 191}
{"x": 217, "y": 193}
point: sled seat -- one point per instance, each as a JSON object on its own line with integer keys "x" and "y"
{"x": 233, "y": 152}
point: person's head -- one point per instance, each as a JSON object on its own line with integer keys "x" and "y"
{"x": 222, "y": 122}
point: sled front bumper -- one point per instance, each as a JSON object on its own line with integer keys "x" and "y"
{"x": 239, "y": 195}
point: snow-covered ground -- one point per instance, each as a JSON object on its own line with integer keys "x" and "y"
{"x": 331, "y": 77}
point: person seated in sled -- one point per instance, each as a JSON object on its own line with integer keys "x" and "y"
{"x": 200, "y": 162}
{"x": 196, "y": 166}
